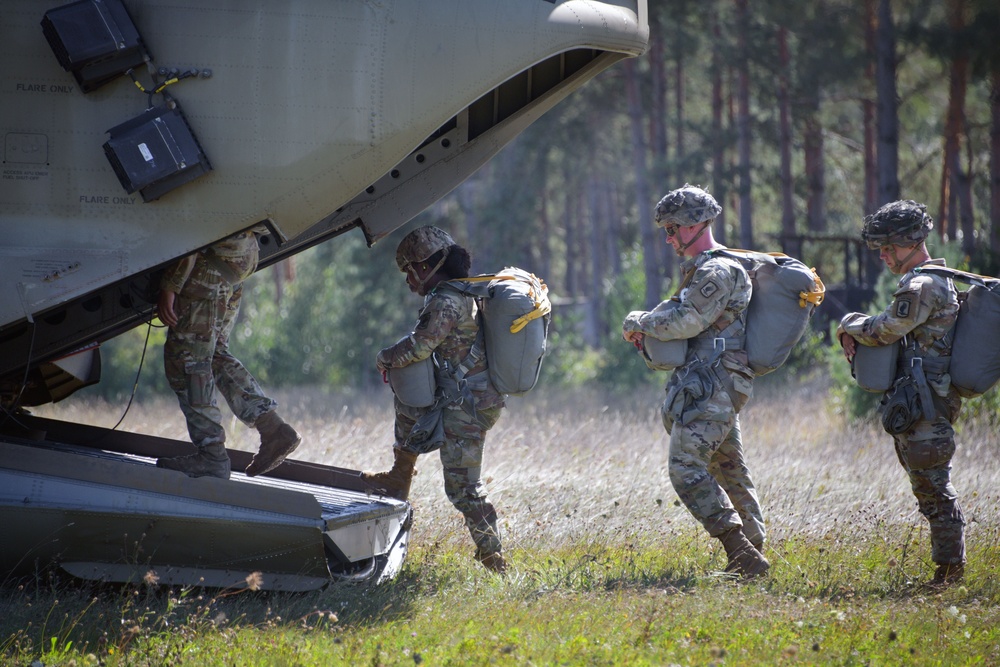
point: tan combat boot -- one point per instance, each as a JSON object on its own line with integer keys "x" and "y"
{"x": 744, "y": 560}
{"x": 492, "y": 561}
{"x": 209, "y": 461}
{"x": 277, "y": 441}
{"x": 945, "y": 575}
{"x": 394, "y": 483}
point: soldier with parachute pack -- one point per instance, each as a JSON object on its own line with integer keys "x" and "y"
{"x": 912, "y": 342}
{"x": 700, "y": 334}
{"x": 476, "y": 340}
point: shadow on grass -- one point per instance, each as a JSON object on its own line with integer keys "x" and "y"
{"x": 50, "y": 611}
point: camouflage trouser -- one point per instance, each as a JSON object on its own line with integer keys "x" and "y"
{"x": 925, "y": 453}
{"x": 462, "y": 461}
{"x": 196, "y": 359}
{"x": 709, "y": 472}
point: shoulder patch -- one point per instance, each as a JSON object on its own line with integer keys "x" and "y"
{"x": 904, "y": 306}
{"x": 708, "y": 289}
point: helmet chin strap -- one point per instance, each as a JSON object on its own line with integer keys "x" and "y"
{"x": 685, "y": 246}
{"x": 903, "y": 262}
{"x": 421, "y": 283}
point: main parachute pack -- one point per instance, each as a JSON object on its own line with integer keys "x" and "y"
{"x": 785, "y": 294}
{"x": 975, "y": 354}
{"x": 514, "y": 315}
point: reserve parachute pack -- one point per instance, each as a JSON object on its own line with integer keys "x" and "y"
{"x": 514, "y": 312}
{"x": 785, "y": 294}
{"x": 975, "y": 355}
{"x": 664, "y": 355}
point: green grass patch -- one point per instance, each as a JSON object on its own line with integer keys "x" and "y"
{"x": 642, "y": 601}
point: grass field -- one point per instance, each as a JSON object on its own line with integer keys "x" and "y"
{"x": 608, "y": 568}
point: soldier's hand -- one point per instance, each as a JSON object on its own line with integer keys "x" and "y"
{"x": 850, "y": 346}
{"x": 634, "y": 337}
{"x": 165, "y": 308}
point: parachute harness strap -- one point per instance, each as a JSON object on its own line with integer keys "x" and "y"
{"x": 957, "y": 274}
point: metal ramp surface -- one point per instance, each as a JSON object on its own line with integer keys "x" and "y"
{"x": 93, "y": 501}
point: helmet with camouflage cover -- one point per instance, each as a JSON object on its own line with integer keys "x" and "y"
{"x": 685, "y": 207}
{"x": 420, "y": 244}
{"x": 903, "y": 223}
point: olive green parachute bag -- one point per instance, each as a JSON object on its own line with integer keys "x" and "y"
{"x": 975, "y": 355}
{"x": 514, "y": 315}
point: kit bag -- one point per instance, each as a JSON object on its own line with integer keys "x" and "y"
{"x": 874, "y": 366}
{"x": 664, "y": 355}
{"x": 414, "y": 385}
{"x": 785, "y": 294}
{"x": 514, "y": 312}
{"x": 975, "y": 354}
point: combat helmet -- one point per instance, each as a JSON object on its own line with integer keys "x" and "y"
{"x": 686, "y": 207}
{"x": 420, "y": 244}
{"x": 903, "y": 223}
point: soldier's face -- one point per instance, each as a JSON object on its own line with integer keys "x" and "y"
{"x": 417, "y": 276}
{"x": 672, "y": 232}
{"x": 679, "y": 238}
{"x": 892, "y": 256}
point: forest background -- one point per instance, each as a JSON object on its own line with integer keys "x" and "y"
{"x": 800, "y": 118}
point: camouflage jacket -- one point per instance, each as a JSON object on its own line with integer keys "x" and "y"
{"x": 714, "y": 292}
{"x": 233, "y": 260}
{"x": 446, "y": 326}
{"x": 924, "y": 307}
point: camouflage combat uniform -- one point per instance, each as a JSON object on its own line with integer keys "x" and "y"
{"x": 707, "y": 465}
{"x": 447, "y": 328}
{"x": 923, "y": 310}
{"x": 209, "y": 286}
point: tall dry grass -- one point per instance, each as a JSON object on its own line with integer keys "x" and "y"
{"x": 608, "y": 568}
{"x": 561, "y": 465}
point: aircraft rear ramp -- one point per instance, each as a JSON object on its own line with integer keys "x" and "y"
{"x": 92, "y": 500}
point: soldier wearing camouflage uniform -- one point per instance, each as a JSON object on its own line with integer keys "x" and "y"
{"x": 707, "y": 466}
{"x": 446, "y": 328}
{"x": 199, "y": 302}
{"x": 923, "y": 310}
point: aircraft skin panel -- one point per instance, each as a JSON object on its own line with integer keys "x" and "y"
{"x": 93, "y": 467}
{"x": 302, "y": 105}
{"x": 315, "y": 117}
{"x": 189, "y": 576}
{"x": 157, "y": 540}
{"x": 116, "y": 515}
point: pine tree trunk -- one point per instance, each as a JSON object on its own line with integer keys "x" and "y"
{"x": 658, "y": 115}
{"x": 951, "y": 166}
{"x": 887, "y": 121}
{"x": 868, "y": 113}
{"x": 967, "y": 218}
{"x": 812, "y": 141}
{"x": 789, "y": 243}
{"x": 869, "y": 264}
{"x": 643, "y": 204}
{"x": 719, "y": 169}
{"x": 995, "y": 161}
{"x": 545, "y": 228}
{"x": 594, "y": 325}
{"x": 660, "y": 175}
{"x": 743, "y": 124}
{"x": 573, "y": 258}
